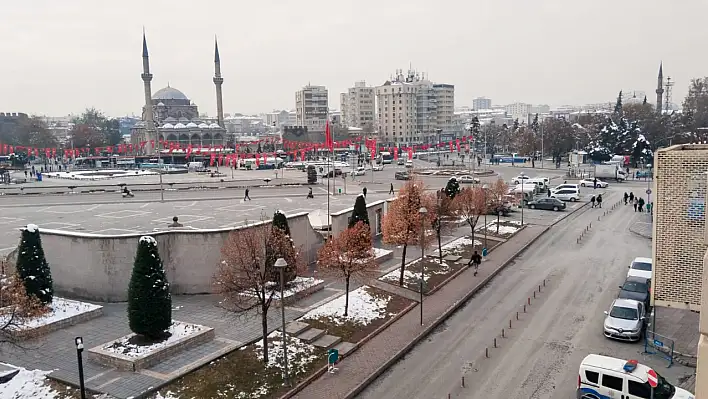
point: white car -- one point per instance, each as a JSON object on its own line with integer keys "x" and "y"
{"x": 518, "y": 179}
{"x": 377, "y": 168}
{"x": 360, "y": 171}
{"x": 640, "y": 267}
{"x": 566, "y": 194}
{"x": 591, "y": 183}
{"x": 467, "y": 179}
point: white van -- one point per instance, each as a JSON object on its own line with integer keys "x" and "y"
{"x": 603, "y": 377}
{"x": 566, "y": 194}
{"x": 565, "y": 185}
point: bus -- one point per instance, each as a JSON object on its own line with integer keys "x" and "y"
{"x": 386, "y": 157}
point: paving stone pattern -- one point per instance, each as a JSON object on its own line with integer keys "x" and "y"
{"x": 681, "y": 326}
{"x": 366, "y": 360}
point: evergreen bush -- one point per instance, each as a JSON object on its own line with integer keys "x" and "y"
{"x": 149, "y": 298}
{"x": 452, "y": 188}
{"x": 281, "y": 222}
{"x": 32, "y": 267}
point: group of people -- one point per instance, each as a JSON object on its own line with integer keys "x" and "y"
{"x": 637, "y": 202}
{"x": 596, "y": 201}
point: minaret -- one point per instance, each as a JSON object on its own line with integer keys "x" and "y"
{"x": 660, "y": 89}
{"x": 218, "y": 80}
{"x": 150, "y": 132}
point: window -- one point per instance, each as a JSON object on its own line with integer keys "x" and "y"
{"x": 592, "y": 376}
{"x": 638, "y": 389}
{"x": 612, "y": 382}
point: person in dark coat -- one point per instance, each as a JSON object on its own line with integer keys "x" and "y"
{"x": 640, "y": 204}
{"x": 626, "y": 197}
{"x": 391, "y": 190}
{"x": 592, "y": 201}
{"x": 631, "y": 197}
{"x": 599, "y": 201}
{"x": 363, "y": 191}
{"x": 635, "y": 203}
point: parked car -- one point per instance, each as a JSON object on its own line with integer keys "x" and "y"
{"x": 565, "y": 185}
{"x": 625, "y": 320}
{"x": 566, "y": 194}
{"x": 518, "y": 179}
{"x": 640, "y": 267}
{"x": 549, "y": 204}
{"x": 499, "y": 208}
{"x": 360, "y": 171}
{"x": 409, "y": 164}
{"x": 401, "y": 162}
{"x": 468, "y": 179}
{"x": 377, "y": 168}
{"x": 591, "y": 183}
{"x": 636, "y": 288}
{"x": 402, "y": 176}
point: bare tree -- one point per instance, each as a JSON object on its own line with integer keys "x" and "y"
{"x": 348, "y": 255}
{"x": 471, "y": 204}
{"x": 443, "y": 208}
{"x": 402, "y": 224}
{"x": 495, "y": 197}
{"x": 245, "y": 272}
{"x": 16, "y": 310}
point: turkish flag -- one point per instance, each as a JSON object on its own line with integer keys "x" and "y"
{"x": 457, "y": 142}
{"x": 410, "y": 154}
{"x": 395, "y": 153}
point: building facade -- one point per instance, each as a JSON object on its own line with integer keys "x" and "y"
{"x": 518, "y": 111}
{"x": 413, "y": 110}
{"x": 312, "y": 108}
{"x": 481, "y": 103}
{"x": 702, "y": 366}
{"x": 358, "y": 106}
{"x": 680, "y": 235}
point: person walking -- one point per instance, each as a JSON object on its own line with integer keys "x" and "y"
{"x": 594, "y": 183}
{"x": 640, "y": 204}
{"x": 599, "y": 201}
{"x": 548, "y": 192}
{"x": 246, "y": 197}
{"x": 649, "y": 206}
{"x": 592, "y": 201}
{"x": 626, "y": 197}
{"x": 635, "y": 203}
{"x": 475, "y": 261}
{"x": 309, "y": 195}
{"x": 391, "y": 190}
{"x": 631, "y": 197}
{"x": 363, "y": 191}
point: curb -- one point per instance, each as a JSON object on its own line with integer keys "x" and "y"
{"x": 430, "y": 328}
{"x": 317, "y": 374}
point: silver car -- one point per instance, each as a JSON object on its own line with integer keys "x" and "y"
{"x": 625, "y": 320}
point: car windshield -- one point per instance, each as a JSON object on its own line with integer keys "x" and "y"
{"x": 619, "y": 312}
{"x": 643, "y": 266}
{"x": 663, "y": 390}
{"x": 634, "y": 286}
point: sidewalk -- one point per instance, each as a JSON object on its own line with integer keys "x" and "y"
{"x": 642, "y": 225}
{"x": 373, "y": 358}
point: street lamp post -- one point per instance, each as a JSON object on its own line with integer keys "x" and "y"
{"x": 423, "y": 212}
{"x": 523, "y": 197}
{"x": 79, "y": 349}
{"x": 281, "y": 264}
{"x": 485, "y": 188}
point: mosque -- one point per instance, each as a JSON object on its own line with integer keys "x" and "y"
{"x": 170, "y": 115}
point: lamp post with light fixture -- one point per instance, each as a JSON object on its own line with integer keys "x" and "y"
{"x": 281, "y": 264}
{"x": 79, "y": 349}
{"x": 422, "y": 212}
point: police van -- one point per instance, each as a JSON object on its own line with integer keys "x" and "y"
{"x": 603, "y": 377}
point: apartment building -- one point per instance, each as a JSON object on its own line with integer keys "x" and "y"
{"x": 414, "y": 110}
{"x": 481, "y": 103}
{"x": 518, "y": 111}
{"x": 312, "y": 107}
{"x": 358, "y": 106}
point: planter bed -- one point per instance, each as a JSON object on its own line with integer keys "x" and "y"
{"x": 62, "y": 313}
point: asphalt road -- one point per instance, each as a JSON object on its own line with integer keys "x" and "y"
{"x": 540, "y": 357}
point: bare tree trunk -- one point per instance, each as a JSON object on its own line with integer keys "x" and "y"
{"x": 403, "y": 265}
{"x": 440, "y": 241}
{"x": 264, "y": 325}
{"x": 473, "y": 235}
{"x": 346, "y": 293}
{"x": 498, "y": 218}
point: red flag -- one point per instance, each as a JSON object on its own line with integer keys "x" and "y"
{"x": 329, "y": 141}
{"x": 410, "y": 154}
{"x": 221, "y": 159}
{"x": 395, "y": 153}
{"x": 450, "y": 146}
{"x": 458, "y": 145}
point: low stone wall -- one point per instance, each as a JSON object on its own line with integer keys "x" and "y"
{"x": 98, "y": 267}
{"x": 55, "y": 326}
{"x": 376, "y": 211}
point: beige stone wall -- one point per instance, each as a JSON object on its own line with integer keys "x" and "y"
{"x": 702, "y": 369}
{"x": 679, "y": 243}
{"x": 376, "y": 211}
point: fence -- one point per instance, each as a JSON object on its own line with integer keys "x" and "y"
{"x": 659, "y": 345}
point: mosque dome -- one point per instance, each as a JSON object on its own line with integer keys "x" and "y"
{"x": 169, "y": 93}
{"x": 203, "y": 126}
{"x": 214, "y": 126}
{"x": 183, "y": 120}
{"x": 180, "y": 126}
{"x": 191, "y": 125}
{"x": 160, "y": 104}
{"x": 168, "y": 126}
{"x": 170, "y": 119}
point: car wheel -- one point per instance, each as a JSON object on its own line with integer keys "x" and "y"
{"x": 582, "y": 184}
{"x": 572, "y": 200}
{"x": 532, "y": 206}
{"x": 555, "y": 208}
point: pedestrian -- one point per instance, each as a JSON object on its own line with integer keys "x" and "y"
{"x": 25, "y": 174}
{"x": 391, "y": 190}
{"x": 640, "y": 204}
{"x": 631, "y": 197}
{"x": 475, "y": 261}
{"x": 649, "y": 206}
{"x": 548, "y": 192}
{"x": 626, "y": 197}
{"x": 309, "y": 195}
{"x": 635, "y": 203}
{"x": 363, "y": 191}
{"x": 599, "y": 201}
{"x": 592, "y": 201}
{"x": 246, "y": 197}
{"x": 594, "y": 183}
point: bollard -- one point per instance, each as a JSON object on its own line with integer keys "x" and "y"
{"x": 486, "y": 353}
{"x": 591, "y": 225}
{"x": 495, "y": 342}
{"x": 503, "y": 333}
{"x": 509, "y": 324}
{"x": 517, "y": 315}
{"x": 524, "y": 308}
{"x": 463, "y": 381}
{"x": 544, "y": 282}
{"x": 534, "y": 295}
{"x": 539, "y": 288}
{"x": 529, "y": 301}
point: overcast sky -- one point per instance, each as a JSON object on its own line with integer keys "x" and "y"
{"x": 61, "y": 56}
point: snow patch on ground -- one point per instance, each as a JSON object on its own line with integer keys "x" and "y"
{"x": 60, "y": 309}
{"x": 299, "y": 284}
{"x": 363, "y": 308}
{"x": 380, "y": 252}
{"x": 457, "y": 245}
{"x": 178, "y": 330}
{"x": 411, "y": 277}
{"x": 98, "y": 174}
{"x": 300, "y": 353}
{"x": 492, "y": 227}
{"x": 28, "y": 384}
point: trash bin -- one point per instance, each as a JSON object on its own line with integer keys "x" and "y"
{"x": 340, "y": 191}
{"x": 39, "y": 177}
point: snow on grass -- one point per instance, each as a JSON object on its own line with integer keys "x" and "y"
{"x": 59, "y": 309}
{"x": 504, "y": 227}
{"x": 413, "y": 277}
{"x": 178, "y": 330}
{"x": 458, "y": 245}
{"x": 363, "y": 308}
{"x": 298, "y": 285}
{"x": 380, "y": 252}
{"x": 300, "y": 353}
{"x": 28, "y": 384}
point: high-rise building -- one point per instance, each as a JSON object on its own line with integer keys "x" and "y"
{"x": 312, "y": 108}
{"x": 357, "y": 106}
{"x": 414, "y": 110}
{"x": 481, "y": 103}
{"x": 518, "y": 111}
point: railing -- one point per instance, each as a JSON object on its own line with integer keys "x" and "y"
{"x": 659, "y": 345}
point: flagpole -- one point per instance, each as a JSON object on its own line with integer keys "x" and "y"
{"x": 327, "y": 140}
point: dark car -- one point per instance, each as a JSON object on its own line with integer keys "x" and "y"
{"x": 499, "y": 208}
{"x": 402, "y": 176}
{"x": 636, "y": 288}
{"x": 549, "y": 204}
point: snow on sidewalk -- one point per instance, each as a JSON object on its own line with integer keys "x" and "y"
{"x": 33, "y": 384}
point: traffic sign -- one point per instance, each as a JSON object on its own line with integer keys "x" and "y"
{"x": 658, "y": 343}
{"x": 652, "y": 378}
{"x": 648, "y": 191}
